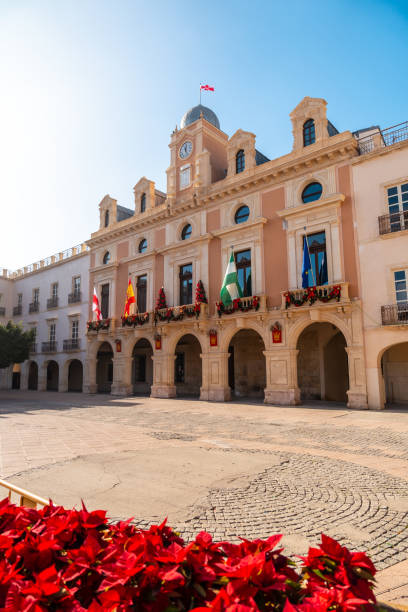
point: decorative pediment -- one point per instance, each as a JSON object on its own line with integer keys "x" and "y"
{"x": 144, "y": 193}
{"x": 244, "y": 141}
{"x": 309, "y": 108}
{"x": 107, "y": 211}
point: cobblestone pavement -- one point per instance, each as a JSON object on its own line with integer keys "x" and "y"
{"x": 298, "y": 471}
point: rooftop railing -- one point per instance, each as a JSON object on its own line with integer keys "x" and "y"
{"x": 383, "y": 138}
{"x": 395, "y": 314}
{"x": 47, "y": 261}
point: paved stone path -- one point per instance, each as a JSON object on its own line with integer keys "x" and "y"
{"x": 237, "y": 469}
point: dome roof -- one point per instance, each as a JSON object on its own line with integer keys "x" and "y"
{"x": 194, "y": 114}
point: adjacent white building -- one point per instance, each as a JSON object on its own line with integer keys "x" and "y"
{"x": 51, "y": 297}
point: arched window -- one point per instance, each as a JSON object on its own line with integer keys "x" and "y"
{"x": 240, "y": 161}
{"x": 107, "y": 218}
{"x": 242, "y": 214}
{"x": 309, "y": 134}
{"x": 312, "y": 192}
{"x": 186, "y": 232}
{"x": 143, "y": 203}
{"x": 106, "y": 257}
{"x": 142, "y": 245}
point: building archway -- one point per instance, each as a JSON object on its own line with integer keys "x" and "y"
{"x": 187, "y": 366}
{"x": 322, "y": 363}
{"x": 246, "y": 364}
{"x": 142, "y": 367}
{"x": 104, "y": 368}
{"x": 33, "y": 376}
{"x": 75, "y": 375}
{"x": 52, "y": 376}
{"x": 16, "y": 377}
{"x": 394, "y": 366}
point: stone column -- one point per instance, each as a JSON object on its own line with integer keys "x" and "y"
{"x": 281, "y": 377}
{"x": 6, "y": 378}
{"x": 215, "y": 386}
{"x": 42, "y": 377}
{"x": 122, "y": 375}
{"x": 163, "y": 375}
{"x": 375, "y": 388}
{"x": 25, "y": 368}
{"x": 89, "y": 384}
{"x": 357, "y": 393}
{"x": 63, "y": 378}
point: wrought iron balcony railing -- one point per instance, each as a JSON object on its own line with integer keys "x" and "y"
{"x": 310, "y": 296}
{"x": 49, "y": 347}
{"x": 52, "y": 302}
{"x": 395, "y": 222}
{"x": 17, "y": 310}
{"x": 34, "y": 307}
{"x": 73, "y": 344}
{"x": 383, "y": 138}
{"x": 74, "y": 297}
{"x": 33, "y": 348}
{"x": 395, "y": 314}
{"x": 2, "y": 311}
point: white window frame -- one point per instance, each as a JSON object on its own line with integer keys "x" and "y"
{"x": 52, "y": 332}
{"x": 54, "y": 290}
{"x": 74, "y": 329}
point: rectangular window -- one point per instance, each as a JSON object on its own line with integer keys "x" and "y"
{"x": 401, "y": 296}
{"x": 20, "y": 299}
{"x": 105, "y": 301}
{"x": 397, "y": 200}
{"x": 318, "y": 259}
{"x": 76, "y": 284}
{"x": 186, "y": 284}
{"x": 52, "y": 332}
{"x": 75, "y": 329}
{"x": 179, "y": 368}
{"x": 54, "y": 290}
{"x": 36, "y": 296}
{"x": 141, "y": 286}
{"x": 184, "y": 177}
{"x": 243, "y": 263}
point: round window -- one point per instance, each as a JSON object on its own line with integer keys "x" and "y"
{"x": 242, "y": 214}
{"x": 106, "y": 257}
{"x": 186, "y": 232}
{"x": 312, "y": 192}
{"x": 142, "y": 245}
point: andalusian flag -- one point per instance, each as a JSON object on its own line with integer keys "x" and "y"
{"x": 230, "y": 289}
{"x": 130, "y": 299}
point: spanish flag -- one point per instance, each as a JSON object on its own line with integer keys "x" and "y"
{"x": 130, "y": 299}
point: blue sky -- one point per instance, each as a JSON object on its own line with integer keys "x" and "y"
{"x": 91, "y": 90}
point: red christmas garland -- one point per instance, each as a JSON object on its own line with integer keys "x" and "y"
{"x": 311, "y": 295}
{"x": 238, "y": 304}
{"x": 135, "y": 320}
{"x": 97, "y": 325}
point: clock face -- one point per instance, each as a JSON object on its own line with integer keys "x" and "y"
{"x": 186, "y": 149}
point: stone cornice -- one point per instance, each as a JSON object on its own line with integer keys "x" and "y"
{"x": 244, "y": 226}
{"x": 337, "y": 199}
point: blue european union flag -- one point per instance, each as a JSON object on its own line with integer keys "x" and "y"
{"x": 306, "y": 267}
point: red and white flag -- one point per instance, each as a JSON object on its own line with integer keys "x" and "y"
{"x": 207, "y": 87}
{"x": 95, "y": 306}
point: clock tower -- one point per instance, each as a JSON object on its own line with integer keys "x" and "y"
{"x": 198, "y": 153}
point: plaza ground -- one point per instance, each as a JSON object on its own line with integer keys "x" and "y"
{"x": 234, "y": 469}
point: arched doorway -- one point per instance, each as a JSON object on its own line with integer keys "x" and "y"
{"x": 104, "y": 368}
{"x": 322, "y": 363}
{"x": 394, "y": 367}
{"x": 246, "y": 364}
{"x": 187, "y": 366}
{"x": 16, "y": 378}
{"x": 142, "y": 367}
{"x": 33, "y": 376}
{"x": 75, "y": 375}
{"x": 52, "y": 376}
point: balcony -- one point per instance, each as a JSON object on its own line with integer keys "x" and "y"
{"x": 395, "y": 314}
{"x": 34, "y": 307}
{"x": 178, "y": 313}
{"x": 2, "y": 311}
{"x": 17, "y": 310}
{"x": 383, "y": 138}
{"x": 52, "y": 302}
{"x": 74, "y": 297}
{"x": 244, "y": 304}
{"x": 395, "y": 222}
{"x": 311, "y": 296}
{"x": 33, "y": 348}
{"x": 73, "y": 344}
{"x": 49, "y": 347}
